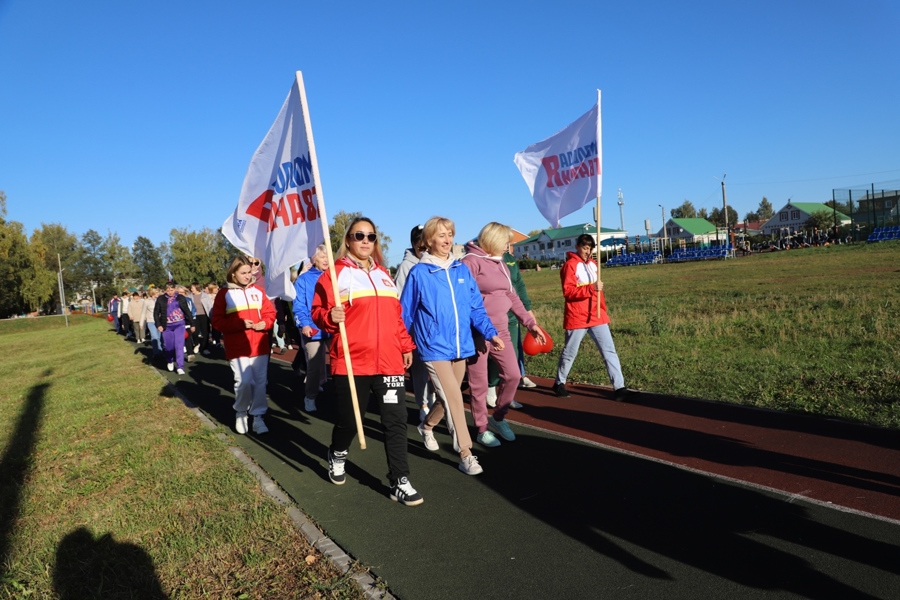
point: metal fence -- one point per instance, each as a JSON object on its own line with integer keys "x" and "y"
{"x": 872, "y": 205}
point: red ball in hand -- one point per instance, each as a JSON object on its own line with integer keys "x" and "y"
{"x": 532, "y": 347}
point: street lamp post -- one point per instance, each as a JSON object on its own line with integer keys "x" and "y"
{"x": 621, "y": 211}
{"x": 665, "y": 233}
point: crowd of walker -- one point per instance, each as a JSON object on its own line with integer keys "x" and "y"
{"x": 441, "y": 319}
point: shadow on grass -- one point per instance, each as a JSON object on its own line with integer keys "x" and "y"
{"x": 89, "y": 567}
{"x": 16, "y": 463}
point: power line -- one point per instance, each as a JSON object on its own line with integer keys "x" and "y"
{"x": 817, "y": 179}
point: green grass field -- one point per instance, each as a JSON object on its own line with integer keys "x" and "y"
{"x": 813, "y": 331}
{"x": 111, "y": 488}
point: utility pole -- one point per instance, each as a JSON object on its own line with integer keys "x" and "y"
{"x": 665, "y": 233}
{"x": 62, "y": 292}
{"x": 725, "y": 210}
{"x": 621, "y": 211}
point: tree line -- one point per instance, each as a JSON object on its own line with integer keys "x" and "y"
{"x": 823, "y": 219}
{"x": 96, "y": 266}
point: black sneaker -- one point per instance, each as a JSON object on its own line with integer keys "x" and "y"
{"x": 623, "y": 394}
{"x": 403, "y": 492}
{"x": 336, "y": 462}
{"x": 560, "y": 390}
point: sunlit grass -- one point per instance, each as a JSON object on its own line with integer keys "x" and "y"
{"x": 105, "y": 450}
{"x": 813, "y": 331}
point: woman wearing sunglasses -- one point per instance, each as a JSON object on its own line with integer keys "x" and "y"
{"x": 380, "y": 350}
{"x": 257, "y": 277}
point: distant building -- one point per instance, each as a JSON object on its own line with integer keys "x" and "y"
{"x": 794, "y": 215}
{"x": 692, "y": 231}
{"x": 552, "y": 244}
{"x": 878, "y": 208}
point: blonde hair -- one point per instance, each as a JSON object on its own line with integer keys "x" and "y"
{"x": 431, "y": 229}
{"x": 345, "y": 247}
{"x": 494, "y": 238}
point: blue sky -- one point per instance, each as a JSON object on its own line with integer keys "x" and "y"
{"x": 142, "y": 117}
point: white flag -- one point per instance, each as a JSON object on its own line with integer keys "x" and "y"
{"x": 277, "y": 218}
{"x": 564, "y": 172}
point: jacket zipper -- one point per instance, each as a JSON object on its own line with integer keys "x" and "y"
{"x": 455, "y": 311}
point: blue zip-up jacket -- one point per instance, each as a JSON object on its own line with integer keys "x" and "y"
{"x": 305, "y": 288}
{"x": 441, "y": 306}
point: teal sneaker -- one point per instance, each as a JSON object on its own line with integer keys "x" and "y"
{"x": 502, "y": 428}
{"x": 486, "y": 438}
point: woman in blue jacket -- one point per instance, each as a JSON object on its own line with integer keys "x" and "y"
{"x": 441, "y": 305}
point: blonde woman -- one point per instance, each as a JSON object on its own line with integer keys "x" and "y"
{"x": 441, "y": 304}
{"x": 484, "y": 257}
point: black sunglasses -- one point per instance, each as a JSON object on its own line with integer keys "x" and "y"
{"x": 255, "y": 263}
{"x": 361, "y": 235}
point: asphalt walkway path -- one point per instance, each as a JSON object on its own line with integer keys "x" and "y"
{"x": 659, "y": 498}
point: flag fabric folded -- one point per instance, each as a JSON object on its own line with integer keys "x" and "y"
{"x": 564, "y": 171}
{"x": 277, "y": 217}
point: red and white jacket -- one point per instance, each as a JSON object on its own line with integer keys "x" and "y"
{"x": 578, "y": 278}
{"x": 376, "y": 335}
{"x": 234, "y": 304}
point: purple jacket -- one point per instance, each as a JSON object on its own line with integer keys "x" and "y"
{"x": 495, "y": 285}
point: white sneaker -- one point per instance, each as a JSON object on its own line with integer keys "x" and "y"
{"x": 428, "y": 438}
{"x": 259, "y": 426}
{"x": 240, "y": 423}
{"x": 309, "y": 404}
{"x": 171, "y": 366}
{"x": 527, "y": 383}
{"x": 492, "y": 397}
{"x": 469, "y": 465}
{"x": 180, "y": 371}
{"x": 196, "y": 348}
{"x": 515, "y": 404}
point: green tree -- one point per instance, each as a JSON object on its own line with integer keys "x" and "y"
{"x": 53, "y": 246}
{"x": 40, "y": 285}
{"x": 685, "y": 211}
{"x": 534, "y": 232}
{"x": 91, "y": 267}
{"x": 149, "y": 262}
{"x": 751, "y": 217}
{"x": 341, "y": 221}
{"x": 717, "y": 217}
{"x": 703, "y": 214}
{"x": 15, "y": 259}
{"x": 119, "y": 259}
{"x": 820, "y": 219}
{"x": 196, "y": 256}
{"x": 841, "y": 207}
{"x": 765, "y": 210}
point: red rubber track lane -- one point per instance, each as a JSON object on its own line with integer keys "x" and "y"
{"x": 853, "y": 466}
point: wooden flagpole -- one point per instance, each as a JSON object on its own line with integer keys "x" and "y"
{"x": 331, "y": 270}
{"x": 599, "y": 193}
